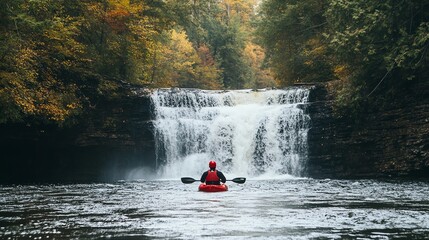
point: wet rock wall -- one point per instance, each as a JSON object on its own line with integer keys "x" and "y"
{"x": 387, "y": 143}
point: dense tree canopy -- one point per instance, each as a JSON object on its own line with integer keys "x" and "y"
{"x": 371, "y": 49}
{"x": 291, "y": 31}
{"x": 380, "y": 47}
{"x": 59, "y": 56}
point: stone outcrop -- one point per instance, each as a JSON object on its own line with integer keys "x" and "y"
{"x": 386, "y": 143}
{"x": 112, "y": 138}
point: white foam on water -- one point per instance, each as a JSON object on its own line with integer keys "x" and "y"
{"x": 248, "y": 133}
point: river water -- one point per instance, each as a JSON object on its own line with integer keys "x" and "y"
{"x": 295, "y": 208}
{"x": 261, "y": 135}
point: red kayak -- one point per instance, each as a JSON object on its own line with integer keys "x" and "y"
{"x": 212, "y": 188}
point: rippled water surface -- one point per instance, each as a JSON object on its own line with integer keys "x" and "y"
{"x": 266, "y": 209}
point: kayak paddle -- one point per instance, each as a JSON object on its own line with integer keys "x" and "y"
{"x": 187, "y": 180}
{"x": 238, "y": 180}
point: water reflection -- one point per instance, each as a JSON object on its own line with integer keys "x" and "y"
{"x": 274, "y": 209}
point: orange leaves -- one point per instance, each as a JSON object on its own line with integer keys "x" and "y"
{"x": 122, "y": 15}
{"x": 117, "y": 20}
{"x": 208, "y": 73}
{"x": 205, "y": 55}
{"x": 117, "y": 14}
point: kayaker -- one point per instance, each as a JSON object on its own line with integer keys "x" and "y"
{"x": 213, "y": 176}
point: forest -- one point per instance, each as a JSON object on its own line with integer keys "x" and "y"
{"x": 57, "y": 57}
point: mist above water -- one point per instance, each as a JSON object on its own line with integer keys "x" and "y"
{"x": 248, "y": 133}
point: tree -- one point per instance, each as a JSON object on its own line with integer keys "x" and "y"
{"x": 179, "y": 64}
{"x": 261, "y": 75}
{"x": 382, "y": 46}
{"x": 292, "y": 32}
{"x": 60, "y": 56}
{"x": 39, "y": 48}
{"x": 224, "y": 28}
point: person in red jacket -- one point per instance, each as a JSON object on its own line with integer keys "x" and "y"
{"x": 213, "y": 176}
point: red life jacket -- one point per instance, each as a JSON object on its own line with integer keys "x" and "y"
{"x": 212, "y": 177}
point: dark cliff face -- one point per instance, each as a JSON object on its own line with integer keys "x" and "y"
{"x": 386, "y": 143}
{"x": 111, "y": 139}
{"x": 116, "y": 137}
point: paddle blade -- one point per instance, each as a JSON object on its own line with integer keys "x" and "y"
{"x": 187, "y": 180}
{"x": 239, "y": 180}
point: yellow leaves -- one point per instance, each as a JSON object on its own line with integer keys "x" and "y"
{"x": 341, "y": 72}
{"x": 318, "y": 51}
{"x": 176, "y": 63}
{"x": 308, "y": 63}
{"x": 315, "y": 48}
{"x": 243, "y": 9}
{"x": 54, "y": 112}
{"x": 25, "y": 64}
{"x": 119, "y": 3}
{"x": 181, "y": 43}
{"x": 48, "y": 98}
{"x": 73, "y": 106}
{"x": 189, "y": 68}
{"x": 57, "y": 105}
{"x": 24, "y": 101}
{"x": 176, "y": 59}
{"x": 183, "y": 55}
{"x": 31, "y": 83}
{"x": 255, "y": 55}
{"x": 58, "y": 45}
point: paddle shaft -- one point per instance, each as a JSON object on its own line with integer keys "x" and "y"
{"x": 187, "y": 180}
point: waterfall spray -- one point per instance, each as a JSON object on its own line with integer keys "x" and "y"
{"x": 247, "y": 132}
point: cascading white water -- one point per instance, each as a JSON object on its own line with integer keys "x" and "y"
{"x": 248, "y": 133}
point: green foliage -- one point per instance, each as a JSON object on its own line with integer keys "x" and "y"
{"x": 59, "y": 57}
{"x": 227, "y": 47}
{"x": 384, "y": 45}
{"x": 176, "y": 63}
{"x": 372, "y": 49}
{"x": 224, "y": 27}
{"x": 291, "y": 31}
{"x": 38, "y": 48}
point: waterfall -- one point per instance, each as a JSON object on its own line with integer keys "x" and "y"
{"x": 248, "y": 133}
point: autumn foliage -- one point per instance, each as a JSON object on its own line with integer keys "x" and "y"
{"x": 59, "y": 56}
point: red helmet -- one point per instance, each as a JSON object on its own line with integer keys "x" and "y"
{"x": 212, "y": 164}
